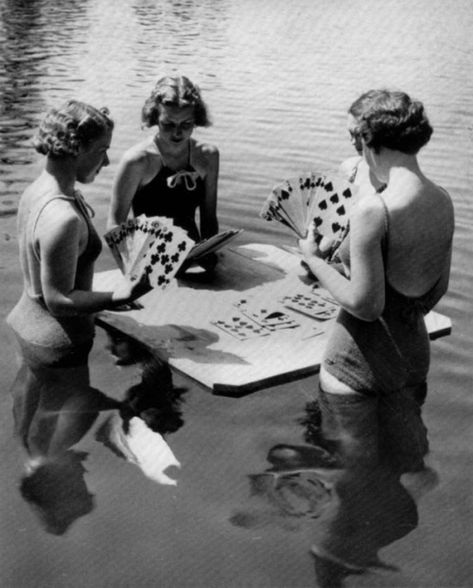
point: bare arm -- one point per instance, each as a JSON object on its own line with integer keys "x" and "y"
{"x": 208, "y": 211}
{"x": 63, "y": 236}
{"x": 362, "y": 294}
{"x": 127, "y": 181}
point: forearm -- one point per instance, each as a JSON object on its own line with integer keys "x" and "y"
{"x": 208, "y": 227}
{"x": 80, "y": 302}
{"x": 332, "y": 279}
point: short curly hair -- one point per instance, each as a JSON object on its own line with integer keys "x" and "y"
{"x": 393, "y": 120}
{"x": 64, "y": 130}
{"x": 175, "y": 91}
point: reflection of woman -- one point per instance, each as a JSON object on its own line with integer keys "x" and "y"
{"x": 57, "y": 491}
{"x": 398, "y": 257}
{"x": 170, "y": 174}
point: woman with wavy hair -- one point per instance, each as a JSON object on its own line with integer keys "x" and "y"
{"x": 396, "y": 257}
{"x": 54, "y": 319}
{"x": 170, "y": 173}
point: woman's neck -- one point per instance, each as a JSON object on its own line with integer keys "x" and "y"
{"x": 62, "y": 173}
{"x": 395, "y": 165}
{"x": 173, "y": 154}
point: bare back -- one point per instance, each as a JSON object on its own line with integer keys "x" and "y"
{"x": 421, "y": 223}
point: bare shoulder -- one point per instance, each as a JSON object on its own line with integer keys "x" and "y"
{"x": 205, "y": 155}
{"x": 368, "y": 216}
{"x": 59, "y": 216}
{"x": 140, "y": 155}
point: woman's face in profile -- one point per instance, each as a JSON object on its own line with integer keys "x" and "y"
{"x": 355, "y": 139}
{"x": 92, "y": 158}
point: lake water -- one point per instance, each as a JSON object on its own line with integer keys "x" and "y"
{"x": 278, "y": 77}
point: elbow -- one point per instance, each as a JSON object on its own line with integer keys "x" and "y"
{"x": 369, "y": 311}
{"x": 58, "y": 308}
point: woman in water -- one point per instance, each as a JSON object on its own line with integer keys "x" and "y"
{"x": 396, "y": 257}
{"x": 170, "y": 173}
{"x": 54, "y": 319}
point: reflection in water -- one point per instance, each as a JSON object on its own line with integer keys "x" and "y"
{"x": 380, "y": 445}
{"x": 356, "y": 482}
{"x": 54, "y": 408}
{"x": 298, "y": 486}
{"x": 57, "y": 491}
{"x": 136, "y": 433}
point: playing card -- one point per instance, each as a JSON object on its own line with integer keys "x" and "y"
{"x": 311, "y": 304}
{"x": 151, "y": 246}
{"x": 240, "y": 327}
{"x": 163, "y": 256}
{"x": 313, "y": 196}
{"x": 270, "y": 317}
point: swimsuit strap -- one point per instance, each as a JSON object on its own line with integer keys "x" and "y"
{"x": 187, "y": 176}
{"x": 384, "y": 243}
{"x": 84, "y": 206}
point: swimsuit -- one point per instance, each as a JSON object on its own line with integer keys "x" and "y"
{"x": 47, "y": 339}
{"x": 385, "y": 355}
{"x": 175, "y": 194}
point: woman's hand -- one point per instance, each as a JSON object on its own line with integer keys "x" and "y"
{"x": 315, "y": 244}
{"x": 127, "y": 290}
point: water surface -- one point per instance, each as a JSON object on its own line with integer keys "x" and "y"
{"x": 278, "y": 78}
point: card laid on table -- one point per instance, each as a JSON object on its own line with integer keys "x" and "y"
{"x": 270, "y": 317}
{"x": 240, "y": 327}
{"x": 311, "y": 304}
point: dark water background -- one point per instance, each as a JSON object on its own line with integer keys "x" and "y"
{"x": 278, "y": 77}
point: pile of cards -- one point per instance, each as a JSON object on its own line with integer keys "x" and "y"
{"x": 311, "y": 303}
{"x": 212, "y": 244}
{"x": 151, "y": 246}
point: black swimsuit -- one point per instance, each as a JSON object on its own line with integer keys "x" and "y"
{"x": 173, "y": 194}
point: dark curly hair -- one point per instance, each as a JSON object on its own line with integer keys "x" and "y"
{"x": 393, "y": 120}
{"x": 175, "y": 91}
{"x": 66, "y": 129}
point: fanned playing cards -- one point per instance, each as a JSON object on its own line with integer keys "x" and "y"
{"x": 149, "y": 246}
{"x": 324, "y": 198}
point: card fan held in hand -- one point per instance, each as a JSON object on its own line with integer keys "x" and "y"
{"x": 151, "y": 246}
{"x": 326, "y": 199}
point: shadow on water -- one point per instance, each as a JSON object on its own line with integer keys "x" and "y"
{"x": 54, "y": 408}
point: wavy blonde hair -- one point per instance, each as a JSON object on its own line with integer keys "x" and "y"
{"x": 64, "y": 130}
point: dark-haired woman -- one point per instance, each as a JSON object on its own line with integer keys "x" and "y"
{"x": 170, "y": 173}
{"x": 54, "y": 319}
{"x": 397, "y": 254}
